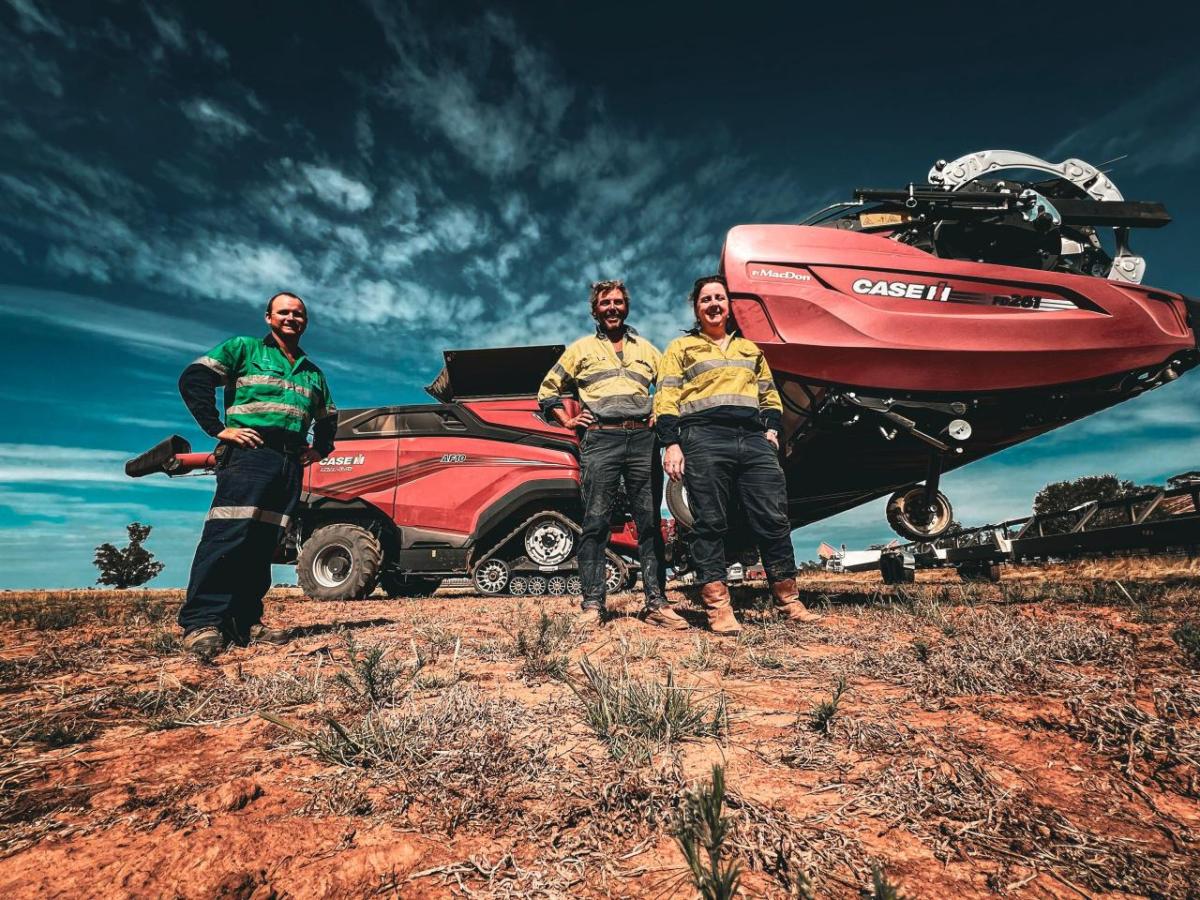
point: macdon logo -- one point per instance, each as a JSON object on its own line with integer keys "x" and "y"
{"x": 341, "y": 463}
{"x": 780, "y": 274}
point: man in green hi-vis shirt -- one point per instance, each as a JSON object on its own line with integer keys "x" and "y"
{"x": 273, "y": 394}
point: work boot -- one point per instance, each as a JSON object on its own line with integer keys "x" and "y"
{"x": 589, "y": 615}
{"x": 721, "y": 619}
{"x": 788, "y": 603}
{"x": 261, "y": 634}
{"x": 665, "y": 617}
{"x": 206, "y": 642}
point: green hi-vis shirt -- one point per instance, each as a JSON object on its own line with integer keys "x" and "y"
{"x": 263, "y": 389}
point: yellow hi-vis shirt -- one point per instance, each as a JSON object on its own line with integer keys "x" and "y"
{"x": 696, "y": 378}
{"x": 611, "y": 387}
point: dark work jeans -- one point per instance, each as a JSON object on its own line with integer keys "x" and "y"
{"x": 607, "y": 456}
{"x": 257, "y": 491}
{"x": 717, "y": 460}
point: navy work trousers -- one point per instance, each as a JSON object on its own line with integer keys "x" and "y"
{"x": 606, "y": 457}
{"x": 257, "y": 491}
{"x": 717, "y": 460}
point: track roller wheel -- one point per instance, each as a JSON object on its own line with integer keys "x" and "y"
{"x": 491, "y": 577}
{"x": 556, "y": 585}
{"x": 616, "y": 573}
{"x": 537, "y": 585}
{"x": 518, "y": 585}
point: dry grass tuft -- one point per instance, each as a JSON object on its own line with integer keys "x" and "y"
{"x": 458, "y": 759}
{"x": 636, "y": 717}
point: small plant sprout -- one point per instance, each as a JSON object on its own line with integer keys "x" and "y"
{"x": 701, "y": 832}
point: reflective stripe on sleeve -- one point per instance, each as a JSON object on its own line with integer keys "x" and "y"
{"x": 276, "y": 382}
{"x": 560, "y": 371}
{"x": 765, "y": 385}
{"x": 707, "y": 365}
{"x": 248, "y": 409}
{"x": 695, "y": 406}
{"x": 248, "y": 512}
{"x": 670, "y": 381}
{"x": 209, "y": 363}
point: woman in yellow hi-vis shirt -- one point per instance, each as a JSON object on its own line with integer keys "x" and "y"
{"x": 718, "y": 414}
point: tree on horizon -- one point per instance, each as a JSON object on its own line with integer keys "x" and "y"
{"x": 128, "y": 567}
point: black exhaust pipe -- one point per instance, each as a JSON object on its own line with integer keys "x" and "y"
{"x": 159, "y": 458}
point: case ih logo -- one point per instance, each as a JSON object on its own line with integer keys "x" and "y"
{"x": 942, "y": 292}
{"x": 341, "y": 463}
{"x": 939, "y": 291}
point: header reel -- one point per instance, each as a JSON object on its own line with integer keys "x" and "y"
{"x": 1048, "y": 224}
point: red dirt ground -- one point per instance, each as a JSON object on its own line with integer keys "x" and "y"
{"x": 1036, "y": 738}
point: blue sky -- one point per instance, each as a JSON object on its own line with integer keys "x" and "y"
{"x": 431, "y": 179}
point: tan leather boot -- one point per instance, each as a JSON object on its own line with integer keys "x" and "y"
{"x": 665, "y": 617}
{"x": 721, "y": 619}
{"x": 788, "y": 603}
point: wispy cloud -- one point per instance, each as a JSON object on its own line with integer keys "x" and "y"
{"x": 1159, "y": 127}
{"x": 215, "y": 119}
{"x": 338, "y": 189}
{"x": 32, "y": 19}
{"x": 46, "y": 463}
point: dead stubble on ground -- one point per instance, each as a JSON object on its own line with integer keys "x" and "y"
{"x": 1039, "y": 737}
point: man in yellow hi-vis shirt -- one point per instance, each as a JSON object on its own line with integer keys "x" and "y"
{"x": 611, "y": 372}
{"x": 718, "y": 415}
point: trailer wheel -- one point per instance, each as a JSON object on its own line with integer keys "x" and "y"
{"x": 979, "y": 572}
{"x": 339, "y": 562}
{"x": 677, "y": 504}
{"x": 492, "y": 577}
{"x": 909, "y": 516}
{"x": 893, "y": 570}
{"x": 398, "y": 584}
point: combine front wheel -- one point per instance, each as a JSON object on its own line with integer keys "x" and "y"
{"x": 911, "y": 516}
{"x": 339, "y": 562}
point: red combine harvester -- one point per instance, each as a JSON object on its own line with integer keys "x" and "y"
{"x": 477, "y": 484}
{"x": 910, "y": 332}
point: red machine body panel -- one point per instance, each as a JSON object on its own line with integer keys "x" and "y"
{"x": 824, "y": 306}
{"x": 364, "y": 469}
{"x": 448, "y": 484}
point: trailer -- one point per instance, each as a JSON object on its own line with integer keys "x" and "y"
{"x": 1158, "y": 520}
